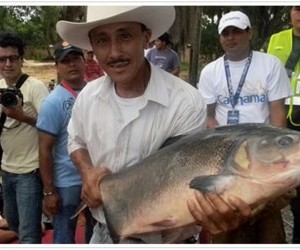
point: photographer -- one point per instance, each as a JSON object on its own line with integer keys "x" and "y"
{"x": 22, "y": 185}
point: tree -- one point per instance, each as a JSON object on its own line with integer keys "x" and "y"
{"x": 74, "y": 13}
{"x": 36, "y": 24}
{"x": 196, "y": 14}
{"x": 194, "y": 26}
{"x": 265, "y": 21}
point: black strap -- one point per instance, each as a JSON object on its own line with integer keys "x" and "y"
{"x": 2, "y": 121}
{"x": 19, "y": 84}
{"x": 293, "y": 59}
{"x": 294, "y": 55}
{"x": 21, "y": 80}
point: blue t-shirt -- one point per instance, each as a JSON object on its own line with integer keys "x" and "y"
{"x": 53, "y": 119}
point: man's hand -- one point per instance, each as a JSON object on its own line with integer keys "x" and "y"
{"x": 90, "y": 192}
{"x": 212, "y": 123}
{"x": 51, "y": 204}
{"x": 15, "y": 112}
{"x": 215, "y": 215}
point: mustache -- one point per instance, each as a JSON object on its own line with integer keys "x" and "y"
{"x": 117, "y": 60}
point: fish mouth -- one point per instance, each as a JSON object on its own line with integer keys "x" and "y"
{"x": 286, "y": 180}
{"x": 282, "y": 162}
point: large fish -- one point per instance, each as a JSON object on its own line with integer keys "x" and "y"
{"x": 255, "y": 162}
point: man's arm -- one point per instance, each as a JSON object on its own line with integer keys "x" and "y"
{"x": 51, "y": 203}
{"x": 7, "y": 236}
{"x": 277, "y": 113}
{"x": 211, "y": 114}
{"x": 176, "y": 64}
{"x": 91, "y": 177}
{"x": 176, "y": 71}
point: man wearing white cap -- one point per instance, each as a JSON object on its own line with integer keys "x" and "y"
{"x": 123, "y": 117}
{"x": 245, "y": 86}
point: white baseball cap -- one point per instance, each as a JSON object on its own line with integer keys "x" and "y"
{"x": 156, "y": 18}
{"x": 234, "y": 18}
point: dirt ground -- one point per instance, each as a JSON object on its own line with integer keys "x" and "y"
{"x": 42, "y": 71}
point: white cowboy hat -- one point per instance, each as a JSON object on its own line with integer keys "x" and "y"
{"x": 156, "y": 18}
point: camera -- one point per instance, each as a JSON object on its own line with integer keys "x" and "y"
{"x": 9, "y": 96}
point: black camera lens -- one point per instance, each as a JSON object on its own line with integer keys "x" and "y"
{"x": 9, "y": 99}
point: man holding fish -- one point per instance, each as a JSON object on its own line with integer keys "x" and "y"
{"x": 124, "y": 117}
{"x": 245, "y": 86}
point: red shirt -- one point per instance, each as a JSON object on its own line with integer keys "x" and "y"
{"x": 92, "y": 70}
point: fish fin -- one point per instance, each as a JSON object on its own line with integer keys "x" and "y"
{"x": 212, "y": 183}
{"x": 241, "y": 157}
{"x": 80, "y": 208}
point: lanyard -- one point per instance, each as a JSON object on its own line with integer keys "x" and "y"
{"x": 67, "y": 87}
{"x": 234, "y": 97}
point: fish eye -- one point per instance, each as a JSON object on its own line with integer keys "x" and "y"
{"x": 284, "y": 141}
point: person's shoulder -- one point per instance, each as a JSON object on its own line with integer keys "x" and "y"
{"x": 282, "y": 32}
{"x": 94, "y": 86}
{"x": 58, "y": 91}
{"x": 188, "y": 94}
{"x": 269, "y": 60}
{"x": 55, "y": 96}
{"x": 34, "y": 80}
{"x": 275, "y": 36}
{"x": 2, "y": 83}
{"x": 151, "y": 51}
{"x": 265, "y": 56}
{"x": 173, "y": 52}
{"x": 36, "y": 83}
{"x": 176, "y": 84}
{"x": 213, "y": 64}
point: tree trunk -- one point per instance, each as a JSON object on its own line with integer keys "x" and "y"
{"x": 195, "y": 26}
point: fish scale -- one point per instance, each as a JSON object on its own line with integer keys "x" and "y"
{"x": 151, "y": 196}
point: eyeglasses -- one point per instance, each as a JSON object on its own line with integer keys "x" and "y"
{"x": 12, "y": 59}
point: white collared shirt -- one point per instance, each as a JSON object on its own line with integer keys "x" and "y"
{"x": 168, "y": 108}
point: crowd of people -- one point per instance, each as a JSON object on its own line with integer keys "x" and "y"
{"x": 110, "y": 113}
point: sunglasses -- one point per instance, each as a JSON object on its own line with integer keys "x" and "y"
{"x": 12, "y": 59}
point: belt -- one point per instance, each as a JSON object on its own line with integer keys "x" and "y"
{"x": 37, "y": 170}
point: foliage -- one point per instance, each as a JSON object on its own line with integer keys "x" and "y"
{"x": 36, "y": 24}
{"x": 265, "y": 20}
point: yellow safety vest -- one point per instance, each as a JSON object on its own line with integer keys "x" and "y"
{"x": 280, "y": 45}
